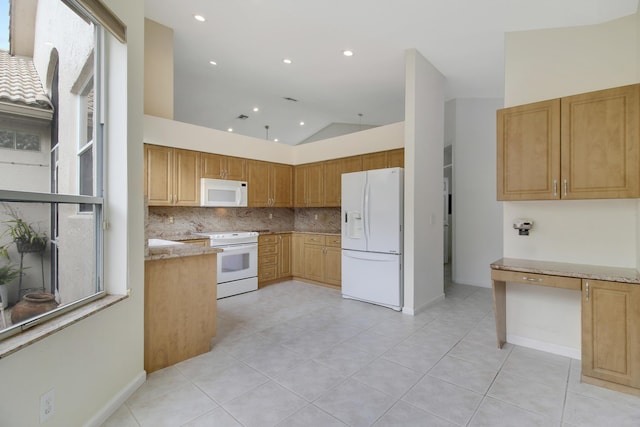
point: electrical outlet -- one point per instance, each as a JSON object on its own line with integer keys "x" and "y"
{"x": 171, "y": 220}
{"x": 315, "y": 217}
{"x": 270, "y": 216}
{"x": 47, "y": 401}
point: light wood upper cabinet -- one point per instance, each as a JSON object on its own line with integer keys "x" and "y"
{"x": 383, "y": 159}
{"x": 610, "y": 331}
{"x": 308, "y": 184}
{"x": 281, "y": 185}
{"x": 600, "y": 144}
{"x": 172, "y": 176}
{"x": 223, "y": 167}
{"x": 333, "y": 170}
{"x": 395, "y": 158}
{"x": 579, "y": 147}
{"x": 529, "y": 151}
{"x": 374, "y": 161}
{"x": 270, "y": 184}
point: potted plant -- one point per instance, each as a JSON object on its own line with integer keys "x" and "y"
{"x": 26, "y": 238}
{"x": 8, "y": 273}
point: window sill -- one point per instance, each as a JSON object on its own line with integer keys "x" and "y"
{"x": 39, "y": 332}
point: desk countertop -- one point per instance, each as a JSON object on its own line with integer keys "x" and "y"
{"x": 580, "y": 271}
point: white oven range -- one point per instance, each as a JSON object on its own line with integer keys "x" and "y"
{"x": 238, "y": 261}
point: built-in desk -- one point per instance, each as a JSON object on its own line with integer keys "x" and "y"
{"x": 610, "y": 314}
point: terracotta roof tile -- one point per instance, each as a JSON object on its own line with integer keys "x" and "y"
{"x": 19, "y": 82}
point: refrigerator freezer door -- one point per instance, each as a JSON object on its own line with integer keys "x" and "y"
{"x": 372, "y": 277}
{"x": 383, "y": 209}
{"x": 352, "y": 210}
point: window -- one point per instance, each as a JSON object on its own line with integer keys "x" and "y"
{"x": 16, "y": 140}
{"x": 56, "y": 197}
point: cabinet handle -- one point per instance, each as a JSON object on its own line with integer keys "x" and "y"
{"x": 555, "y": 188}
{"x": 565, "y": 187}
{"x": 531, "y": 279}
{"x": 586, "y": 286}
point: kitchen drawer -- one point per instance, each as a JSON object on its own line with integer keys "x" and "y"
{"x": 314, "y": 239}
{"x": 268, "y": 272}
{"x": 267, "y": 239}
{"x": 267, "y": 249}
{"x": 537, "y": 279}
{"x": 201, "y": 242}
{"x": 334, "y": 241}
{"x": 268, "y": 260}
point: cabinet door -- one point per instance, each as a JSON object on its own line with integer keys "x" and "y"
{"x": 212, "y": 166}
{"x": 297, "y": 255}
{"x": 333, "y": 266}
{"x": 528, "y": 164}
{"x": 281, "y": 185}
{"x": 610, "y": 331}
{"x": 235, "y": 168}
{"x": 333, "y": 170}
{"x": 187, "y": 178}
{"x": 314, "y": 262}
{"x": 600, "y": 144}
{"x": 284, "y": 255}
{"x": 158, "y": 175}
{"x": 258, "y": 183}
{"x": 395, "y": 158}
{"x": 313, "y": 184}
{"x": 374, "y": 161}
{"x": 298, "y": 187}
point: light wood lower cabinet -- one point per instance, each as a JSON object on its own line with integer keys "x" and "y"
{"x": 321, "y": 258}
{"x": 179, "y": 309}
{"x": 611, "y": 333}
{"x": 274, "y": 257}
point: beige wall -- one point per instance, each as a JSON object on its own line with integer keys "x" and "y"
{"x": 158, "y": 69}
{"x": 546, "y": 64}
{"x": 549, "y": 64}
{"x": 183, "y": 135}
{"x": 423, "y": 204}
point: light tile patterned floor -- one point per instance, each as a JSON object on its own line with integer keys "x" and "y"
{"x": 295, "y": 354}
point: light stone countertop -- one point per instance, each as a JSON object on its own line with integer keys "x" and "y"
{"x": 580, "y": 271}
{"x": 179, "y": 250}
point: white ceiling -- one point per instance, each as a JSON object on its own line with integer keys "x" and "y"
{"x": 248, "y": 39}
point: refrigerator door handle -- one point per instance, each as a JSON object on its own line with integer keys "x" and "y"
{"x": 366, "y": 211}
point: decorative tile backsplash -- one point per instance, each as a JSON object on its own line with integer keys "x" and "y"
{"x": 166, "y": 222}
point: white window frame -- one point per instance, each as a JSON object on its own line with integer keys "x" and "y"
{"x": 84, "y": 142}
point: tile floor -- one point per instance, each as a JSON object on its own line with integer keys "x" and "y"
{"x": 295, "y": 354}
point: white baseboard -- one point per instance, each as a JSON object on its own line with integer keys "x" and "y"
{"x": 560, "y": 350}
{"x": 117, "y": 401}
{"x": 412, "y": 312}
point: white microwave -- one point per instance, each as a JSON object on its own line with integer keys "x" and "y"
{"x": 222, "y": 192}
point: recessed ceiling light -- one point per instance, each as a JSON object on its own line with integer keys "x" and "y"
{"x": 301, "y": 123}
{"x": 275, "y": 139}
{"x": 199, "y": 18}
{"x": 256, "y": 109}
{"x": 213, "y": 63}
{"x": 287, "y": 61}
{"x": 230, "y": 130}
{"x": 347, "y": 52}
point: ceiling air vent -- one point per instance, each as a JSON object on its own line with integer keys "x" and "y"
{"x": 287, "y": 98}
{"x": 242, "y": 117}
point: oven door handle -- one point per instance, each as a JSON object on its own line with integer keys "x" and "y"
{"x": 238, "y": 248}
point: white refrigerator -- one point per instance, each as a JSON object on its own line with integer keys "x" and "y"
{"x": 372, "y": 236}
